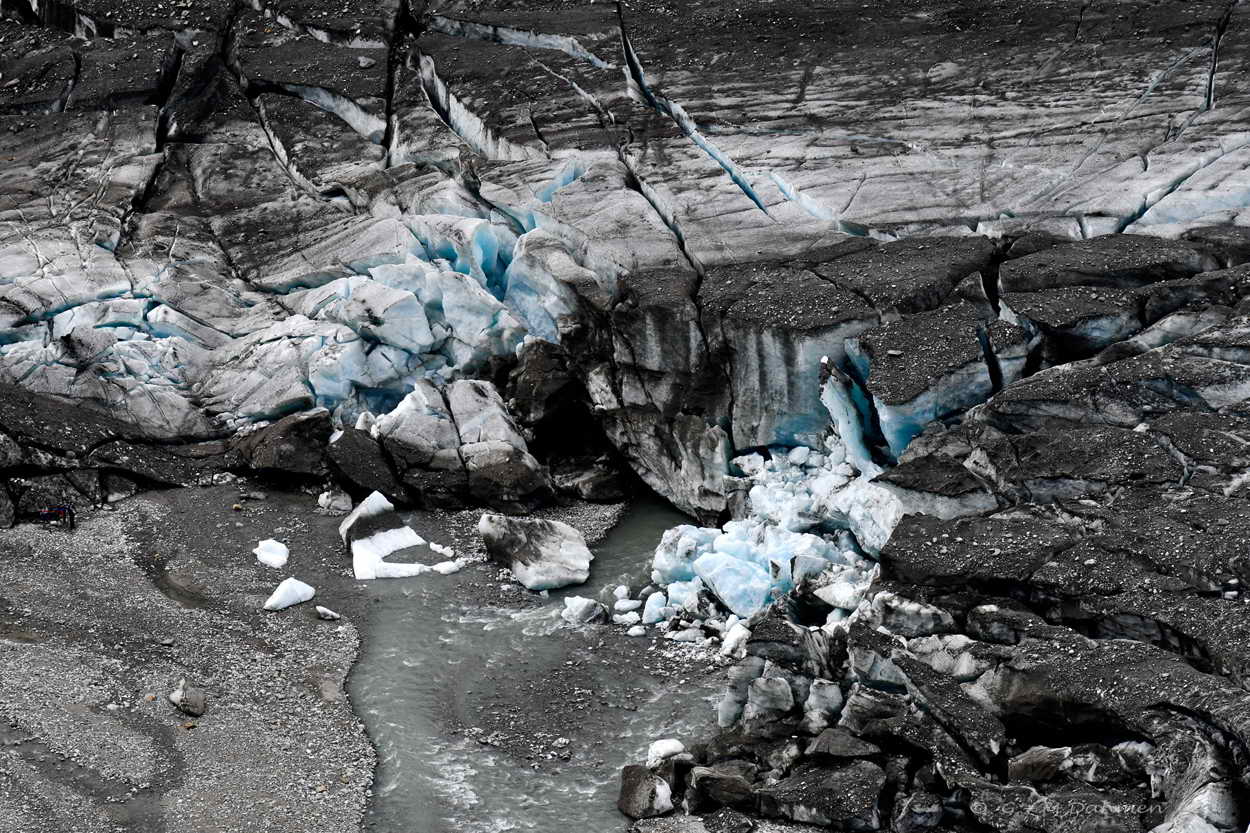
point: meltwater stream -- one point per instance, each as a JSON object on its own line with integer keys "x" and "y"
{"x": 435, "y": 659}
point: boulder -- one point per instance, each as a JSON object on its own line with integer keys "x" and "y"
{"x": 643, "y": 793}
{"x": 843, "y": 796}
{"x": 295, "y": 444}
{"x": 717, "y": 786}
{"x": 189, "y": 700}
{"x": 839, "y": 743}
{"x": 360, "y": 463}
{"x": 503, "y": 475}
{"x": 541, "y": 554}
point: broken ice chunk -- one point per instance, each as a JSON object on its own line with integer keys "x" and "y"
{"x": 654, "y": 610}
{"x": 663, "y": 749}
{"x": 579, "y": 610}
{"x": 272, "y": 553}
{"x": 741, "y": 586}
{"x": 290, "y": 592}
{"x": 374, "y": 531}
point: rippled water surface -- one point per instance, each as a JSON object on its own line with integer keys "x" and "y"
{"x": 431, "y": 653}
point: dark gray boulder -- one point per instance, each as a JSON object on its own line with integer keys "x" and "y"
{"x": 843, "y": 796}
{"x": 643, "y": 793}
{"x": 294, "y": 445}
{"x": 360, "y": 463}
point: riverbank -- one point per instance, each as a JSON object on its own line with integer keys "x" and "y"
{"x": 489, "y": 713}
{"x": 98, "y": 625}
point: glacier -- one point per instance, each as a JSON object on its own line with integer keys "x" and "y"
{"x": 795, "y": 531}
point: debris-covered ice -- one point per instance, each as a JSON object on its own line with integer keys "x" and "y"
{"x": 541, "y": 554}
{"x": 375, "y": 531}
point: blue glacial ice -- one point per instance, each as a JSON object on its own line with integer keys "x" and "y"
{"x": 792, "y": 534}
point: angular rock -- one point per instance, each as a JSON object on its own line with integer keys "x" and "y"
{"x": 189, "y": 700}
{"x": 295, "y": 444}
{"x": 839, "y": 743}
{"x": 1119, "y": 260}
{"x": 358, "y": 460}
{"x": 713, "y": 787}
{"x": 643, "y": 793}
{"x": 843, "y": 795}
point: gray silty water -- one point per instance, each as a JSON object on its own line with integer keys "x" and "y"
{"x": 494, "y": 718}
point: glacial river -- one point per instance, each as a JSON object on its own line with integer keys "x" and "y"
{"x": 429, "y": 652}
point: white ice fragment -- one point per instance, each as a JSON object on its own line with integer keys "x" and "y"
{"x": 272, "y": 553}
{"x": 824, "y": 702}
{"x": 684, "y": 595}
{"x": 631, "y": 618}
{"x": 636, "y": 630}
{"x": 327, "y": 614}
{"x": 663, "y": 749}
{"x": 735, "y": 641}
{"x": 626, "y": 605}
{"x": 579, "y": 610}
{"x": 383, "y": 535}
{"x": 446, "y": 568}
{"x": 291, "y": 591}
{"x": 621, "y": 592}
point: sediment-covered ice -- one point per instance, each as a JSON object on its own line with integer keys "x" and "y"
{"x": 541, "y": 554}
{"x": 375, "y": 531}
